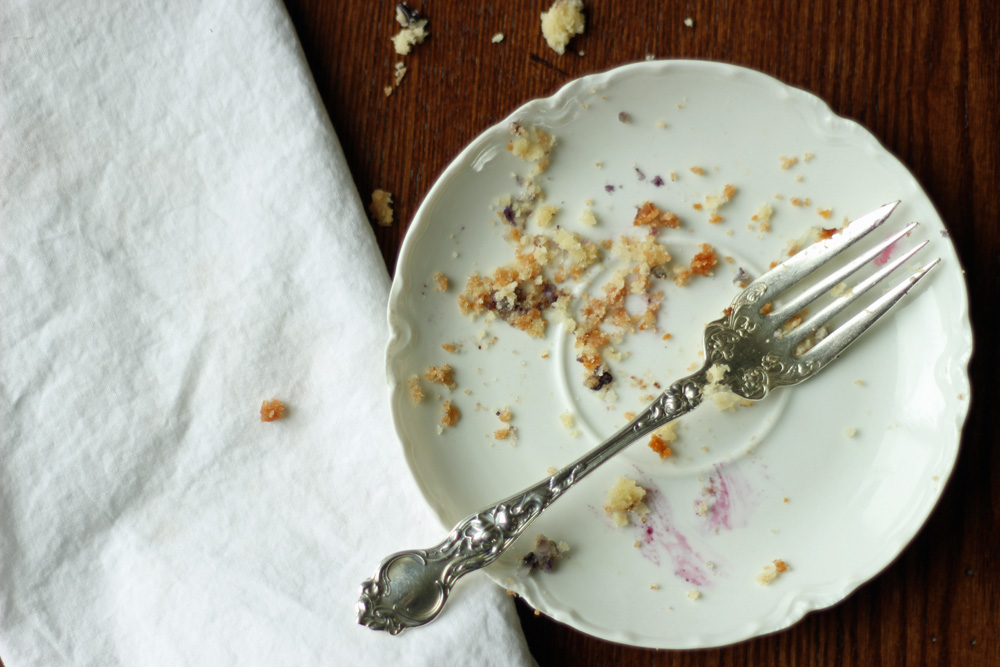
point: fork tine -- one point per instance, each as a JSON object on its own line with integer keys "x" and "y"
{"x": 830, "y": 347}
{"x": 786, "y": 310}
{"x": 822, "y": 317}
{"x": 802, "y": 264}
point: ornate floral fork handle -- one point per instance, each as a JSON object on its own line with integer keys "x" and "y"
{"x": 410, "y": 587}
{"x": 753, "y": 351}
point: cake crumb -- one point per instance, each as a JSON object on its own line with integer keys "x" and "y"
{"x": 623, "y": 497}
{"x": 650, "y": 216}
{"x": 698, "y": 171}
{"x": 562, "y": 22}
{"x": 850, "y": 431}
{"x": 450, "y": 414}
{"x": 381, "y": 208}
{"x": 271, "y": 410}
{"x": 788, "y": 162}
{"x": 693, "y": 594}
{"x": 497, "y": 38}
{"x": 443, "y": 374}
{"x": 531, "y": 144}
{"x": 588, "y": 217}
{"x": 441, "y": 281}
{"x": 662, "y": 438}
{"x": 763, "y": 217}
{"x": 545, "y": 215}
{"x": 413, "y": 32}
{"x": 545, "y": 557}
{"x": 416, "y": 391}
{"x": 654, "y": 587}
{"x": 689, "y": 22}
{"x": 771, "y": 572}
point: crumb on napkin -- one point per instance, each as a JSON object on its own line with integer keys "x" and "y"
{"x": 271, "y": 410}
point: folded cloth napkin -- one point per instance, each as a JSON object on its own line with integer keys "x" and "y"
{"x": 182, "y": 240}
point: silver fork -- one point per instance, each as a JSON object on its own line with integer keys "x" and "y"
{"x": 752, "y": 347}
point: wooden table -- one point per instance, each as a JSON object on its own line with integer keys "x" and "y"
{"x": 923, "y": 76}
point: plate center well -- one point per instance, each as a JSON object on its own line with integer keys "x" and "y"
{"x": 646, "y": 362}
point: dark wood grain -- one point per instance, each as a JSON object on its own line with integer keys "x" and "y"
{"x": 922, "y": 76}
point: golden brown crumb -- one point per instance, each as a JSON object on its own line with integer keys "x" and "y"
{"x": 827, "y": 233}
{"x": 780, "y": 565}
{"x": 449, "y": 414}
{"x": 660, "y": 446}
{"x": 416, "y": 391}
{"x": 505, "y": 415}
{"x": 271, "y": 410}
{"x": 698, "y": 171}
{"x": 788, "y": 162}
{"x": 502, "y": 433}
{"x": 441, "y": 281}
{"x": 650, "y": 216}
{"x": 824, "y": 212}
{"x": 795, "y": 201}
{"x": 442, "y": 375}
{"x": 381, "y": 207}
{"x": 701, "y": 265}
{"x": 715, "y": 218}
{"x": 450, "y": 347}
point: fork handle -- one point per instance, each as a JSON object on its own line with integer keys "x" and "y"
{"x": 410, "y": 588}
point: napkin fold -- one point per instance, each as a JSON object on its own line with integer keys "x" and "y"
{"x": 182, "y": 240}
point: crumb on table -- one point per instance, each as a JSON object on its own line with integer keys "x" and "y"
{"x": 562, "y": 22}
{"x": 381, "y": 207}
{"x": 414, "y": 29}
{"x": 272, "y": 409}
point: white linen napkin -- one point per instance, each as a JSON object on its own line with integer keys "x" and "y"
{"x": 181, "y": 240}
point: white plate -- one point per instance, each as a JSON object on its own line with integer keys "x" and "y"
{"x": 852, "y": 503}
